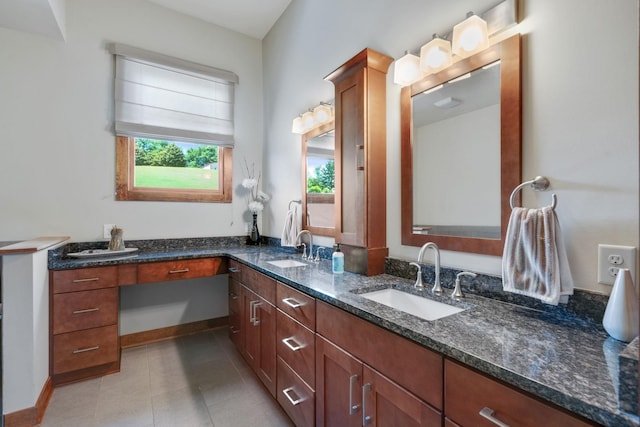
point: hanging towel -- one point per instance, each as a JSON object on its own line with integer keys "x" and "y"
{"x": 534, "y": 262}
{"x": 292, "y": 226}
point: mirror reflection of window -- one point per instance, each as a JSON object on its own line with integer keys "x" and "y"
{"x": 320, "y": 181}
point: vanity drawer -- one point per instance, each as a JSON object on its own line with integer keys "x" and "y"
{"x": 177, "y": 270}
{"x": 295, "y": 397}
{"x": 467, "y": 393}
{"x": 84, "y": 279}
{"x": 295, "y": 344}
{"x": 75, "y": 311}
{"x": 235, "y": 270}
{"x": 297, "y": 305}
{"x": 385, "y": 351}
{"x": 84, "y": 349}
{"x": 262, "y": 285}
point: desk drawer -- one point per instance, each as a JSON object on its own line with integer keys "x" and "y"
{"x": 84, "y": 349}
{"x": 235, "y": 270}
{"x": 295, "y": 344}
{"x": 84, "y": 279}
{"x": 262, "y": 285}
{"x": 75, "y": 311}
{"x": 176, "y": 270}
{"x": 297, "y": 305}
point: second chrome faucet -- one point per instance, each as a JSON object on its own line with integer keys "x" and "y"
{"x": 437, "y": 288}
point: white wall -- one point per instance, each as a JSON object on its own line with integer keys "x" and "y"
{"x": 56, "y": 112}
{"x": 580, "y": 107}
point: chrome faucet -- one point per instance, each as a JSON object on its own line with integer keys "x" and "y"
{"x": 304, "y": 253}
{"x": 418, "y": 284}
{"x": 437, "y": 288}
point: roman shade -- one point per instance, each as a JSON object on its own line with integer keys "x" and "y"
{"x": 161, "y": 97}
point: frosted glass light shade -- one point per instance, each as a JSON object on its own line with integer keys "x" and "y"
{"x": 297, "y": 125}
{"x": 621, "y": 315}
{"x": 470, "y": 36}
{"x": 308, "y": 121}
{"x": 406, "y": 70}
{"x": 322, "y": 113}
{"x": 435, "y": 56}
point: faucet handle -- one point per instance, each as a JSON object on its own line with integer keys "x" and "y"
{"x": 457, "y": 292}
{"x": 418, "y": 284}
{"x": 317, "y": 258}
{"x": 304, "y": 251}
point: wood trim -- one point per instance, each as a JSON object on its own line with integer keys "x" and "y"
{"x": 508, "y": 51}
{"x": 87, "y": 373}
{"x": 125, "y": 190}
{"x": 169, "y": 332}
{"x": 30, "y": 417}
{"x": 33, "y": 245}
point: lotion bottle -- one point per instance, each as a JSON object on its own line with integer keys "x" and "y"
{"x": 337, "y": 260}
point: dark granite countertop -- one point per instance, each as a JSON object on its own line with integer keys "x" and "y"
{"x": 569, "y": 361}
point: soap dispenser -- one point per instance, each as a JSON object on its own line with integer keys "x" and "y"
{"x": 337, "y": 260}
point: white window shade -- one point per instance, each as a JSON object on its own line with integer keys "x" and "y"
{"x": 161, "y": 97}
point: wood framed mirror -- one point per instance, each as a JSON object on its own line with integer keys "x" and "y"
{"x": 463, "y": 176}
{"x": 318, "y": 180}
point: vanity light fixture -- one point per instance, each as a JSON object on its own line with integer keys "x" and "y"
{"x": 433, "y": 89}
{"x": 435, "y": 55}
{"x": 313, "y": 118}
{"x": 462, "y": 77}
{"x": 407, "y": 70}
{"x": 470, "y": 36}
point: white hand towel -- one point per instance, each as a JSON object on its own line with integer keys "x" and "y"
{"x": 292, "y": 226}
{"x": 534, "y": 262}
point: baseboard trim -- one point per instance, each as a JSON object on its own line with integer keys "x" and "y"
{"x": 160, "y": 334}
{"x": 30, "y": 417}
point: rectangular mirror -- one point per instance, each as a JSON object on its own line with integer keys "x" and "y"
{"x": 461, "y": 151}
{"x": 318, "y": 174}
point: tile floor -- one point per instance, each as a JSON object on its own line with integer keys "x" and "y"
{"x": 199, "y": 380}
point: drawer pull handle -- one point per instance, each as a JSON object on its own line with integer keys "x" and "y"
{"x": 488, "y": 413}
{"x": 291, "y": 302}
{"x": 366, "y": 419}
{"x": 86, "y": 310}
{"x": 293, "y": 401}
{"x": 234, "y": 269}
{"x": 232, "y": 295}
{"x": 184, "y": 270}
{"x": 353, "y": 379}
{"x": 91, "y": 279}
{"x": 293, "y": 347}
{"x": 234, "y": 330}
{"x": 83, "y": 350}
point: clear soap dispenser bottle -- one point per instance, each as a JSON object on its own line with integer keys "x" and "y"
{"x": 337, "y": 260}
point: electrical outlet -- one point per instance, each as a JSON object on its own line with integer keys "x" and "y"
{"x": 106, "y": 230}
{"x": 611, "y": 258}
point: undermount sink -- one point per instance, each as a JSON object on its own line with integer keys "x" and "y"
{"x": 286, "y": 263}
{"x": 418, "y": 306}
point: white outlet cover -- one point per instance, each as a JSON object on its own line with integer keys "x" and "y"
{"x": 627, "y": 256}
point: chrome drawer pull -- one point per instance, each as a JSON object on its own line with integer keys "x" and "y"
{"x": 92, "y": 279}
{"x": 233, "y": 296}
{"x": 366, "y": 419}
{"x": 82, "y": 350}
{"x": 184, "y": 270}
{"x": 234, "y": 269}
{"x": 353, "y": 379}
{"x": 86, "y": 310}
{"x": 487, "y": 413}
{"x": 294, "y": 402}
{"x": 296, "y": 347}
{"x": 234, "y": 330}
{"x": 292, "y": 302}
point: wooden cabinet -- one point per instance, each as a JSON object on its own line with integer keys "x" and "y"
{"x": 471, "y": 398}
{"x": 84, "y": 323}
{"x": 235, "y": 305}
{"x": 360, "y": 160}
{"x": 257, "y": 336}
{"x": 295, "y": 348}
{"x": 368, "y": 376}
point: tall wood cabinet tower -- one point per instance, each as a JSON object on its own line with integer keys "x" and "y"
{"x": 361, "y": 160}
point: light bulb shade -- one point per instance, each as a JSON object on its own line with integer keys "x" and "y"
{"x": 323, "y": 113}
{"x": 470, "y": 36}
{"x": 308, "y": 121}
{"x": 435, "y": 56}
{"x": 406, "y": 70}
{"x": 297, "y": 126}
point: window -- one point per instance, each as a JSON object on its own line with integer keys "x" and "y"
{"x": 174, "y": 127}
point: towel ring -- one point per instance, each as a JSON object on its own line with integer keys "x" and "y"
{"x": 540, "y": 183}
{"x": 294, "y": 201}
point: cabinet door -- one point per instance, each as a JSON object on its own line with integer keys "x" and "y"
{"x": 387, "y": 404}
{"x": 265, "y": 323}
{"x": 250, "y": 332}
{"x": 338, "y": 386}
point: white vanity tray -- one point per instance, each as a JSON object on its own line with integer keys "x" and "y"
{"x": 88, "y": 253}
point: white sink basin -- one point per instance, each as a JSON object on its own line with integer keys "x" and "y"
{"x": 287, "y": 263}
{"x": 421, "y": 307}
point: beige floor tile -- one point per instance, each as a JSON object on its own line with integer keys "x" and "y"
{"x": 180, "y": 408}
